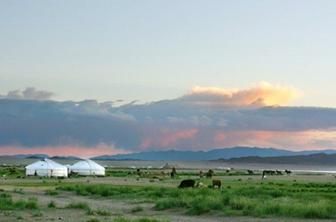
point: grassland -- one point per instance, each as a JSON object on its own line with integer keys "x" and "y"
{"x": 258, "y": 199}
{"x": 125, "y": 195}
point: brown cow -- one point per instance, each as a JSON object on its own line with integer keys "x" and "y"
{"x": 216, "y": 183}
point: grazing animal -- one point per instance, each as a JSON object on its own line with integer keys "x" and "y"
{"x": 250, "y": 172}
{"x": 216, "y": 183}
{"x": 187, "y": 183}
{"x": 200, "y": 185}
{"x": 278, "y": 172}
{"x": 267, "y": 172}
{"x": 138, "y": 172}
{"x": 210, "y": 173}
{"x": 288, "y": 172}
{"x": 201, "y": 174}
{"x": 173, "y": 173}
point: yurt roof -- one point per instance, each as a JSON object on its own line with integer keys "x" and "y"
{"x": 45, "y": 164}
{"x": 87, "y": 164}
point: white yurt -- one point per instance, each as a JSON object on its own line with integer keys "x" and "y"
{"x": 87, "y": 167}
{"x": 46, "y": 168}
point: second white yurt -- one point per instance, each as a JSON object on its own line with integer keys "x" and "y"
{"x": 46, "y": 168}
{"x": 87, "y": 167}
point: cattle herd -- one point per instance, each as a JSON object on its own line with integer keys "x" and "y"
{"x": 191, "y": 183}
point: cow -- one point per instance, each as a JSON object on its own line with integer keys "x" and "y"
{"x": 278, "y": 172}
{"x": 288, "y": 172}
{"x": 216, "y": 183}
{"x": 173, "y": 173}
{"x": 187, "y": 183}
{"x": 269, "y": 172}
{"x": 210, "y": 173}
{"x": 200, "y": 185}
{"x": 250, "y": 172}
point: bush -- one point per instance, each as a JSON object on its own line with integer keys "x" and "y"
{"x": 51, "y": 204}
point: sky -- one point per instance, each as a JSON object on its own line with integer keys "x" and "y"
{"x": 220, "y": 56}
{"x": 153, "y": 50}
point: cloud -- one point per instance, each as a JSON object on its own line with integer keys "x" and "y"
{"x": 264, "y": 94}
{"x": 66, "y": 150}
{"x": 166, "y": 138}
{"x": 202, "y": 119}
{"x": 297, "y": 140}
{"x": 30, "y": 93}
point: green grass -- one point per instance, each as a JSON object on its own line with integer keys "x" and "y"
{"x": 93, "y": 220}
{"x": 123, "y": 219}
{"x": 137, "y": 209}
{"x": 78, "y": 205}
{"x": 12, "y": 172}
{"x": 51, "y": 192}
{"x": 18, "y": 190}
{"x": 7, "y": 203}
{"x": 157, "y": 173}
{"x": 101, "y": 212}
{"x": 242, "y": 198}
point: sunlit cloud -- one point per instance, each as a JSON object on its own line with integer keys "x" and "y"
{"x": 300, "y": 140}
{"x": 263, "y": 94}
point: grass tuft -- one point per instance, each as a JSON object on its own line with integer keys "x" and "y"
{"x": 78, "y": 205}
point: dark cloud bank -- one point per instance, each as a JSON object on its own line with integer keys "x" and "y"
{"x": 199, "y": 120}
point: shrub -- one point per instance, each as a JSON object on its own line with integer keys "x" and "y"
{"x": 52, "y": 204}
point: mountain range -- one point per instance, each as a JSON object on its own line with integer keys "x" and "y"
{"x": 311, "y": 159}
{"x": 215, "y": 154}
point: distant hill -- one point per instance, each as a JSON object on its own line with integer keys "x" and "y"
{"x": 312, "y": 159}
{"x": 43, "y": 156}
{"x": 225, "y": 153}
{"x": 31, "y": 156}
{"x": 65, "y": 158}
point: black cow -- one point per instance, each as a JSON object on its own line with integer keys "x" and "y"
{"x": 250, "y": 172}
{"x": 278, "y": 172}
{"x": 267, "y": 172}
{"x": 288, "y": 172}
{"x": 210, "y": 173}
{"x": 187, "y": 183}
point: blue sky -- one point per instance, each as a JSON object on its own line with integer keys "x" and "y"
{"x": 225, "y": 67}
{"x": 152, "y": 50}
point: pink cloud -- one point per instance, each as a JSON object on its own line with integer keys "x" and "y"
{"x": 169, "y": 138}
{"x": 66, "y": 150}
{"x": 299, "y": 140}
